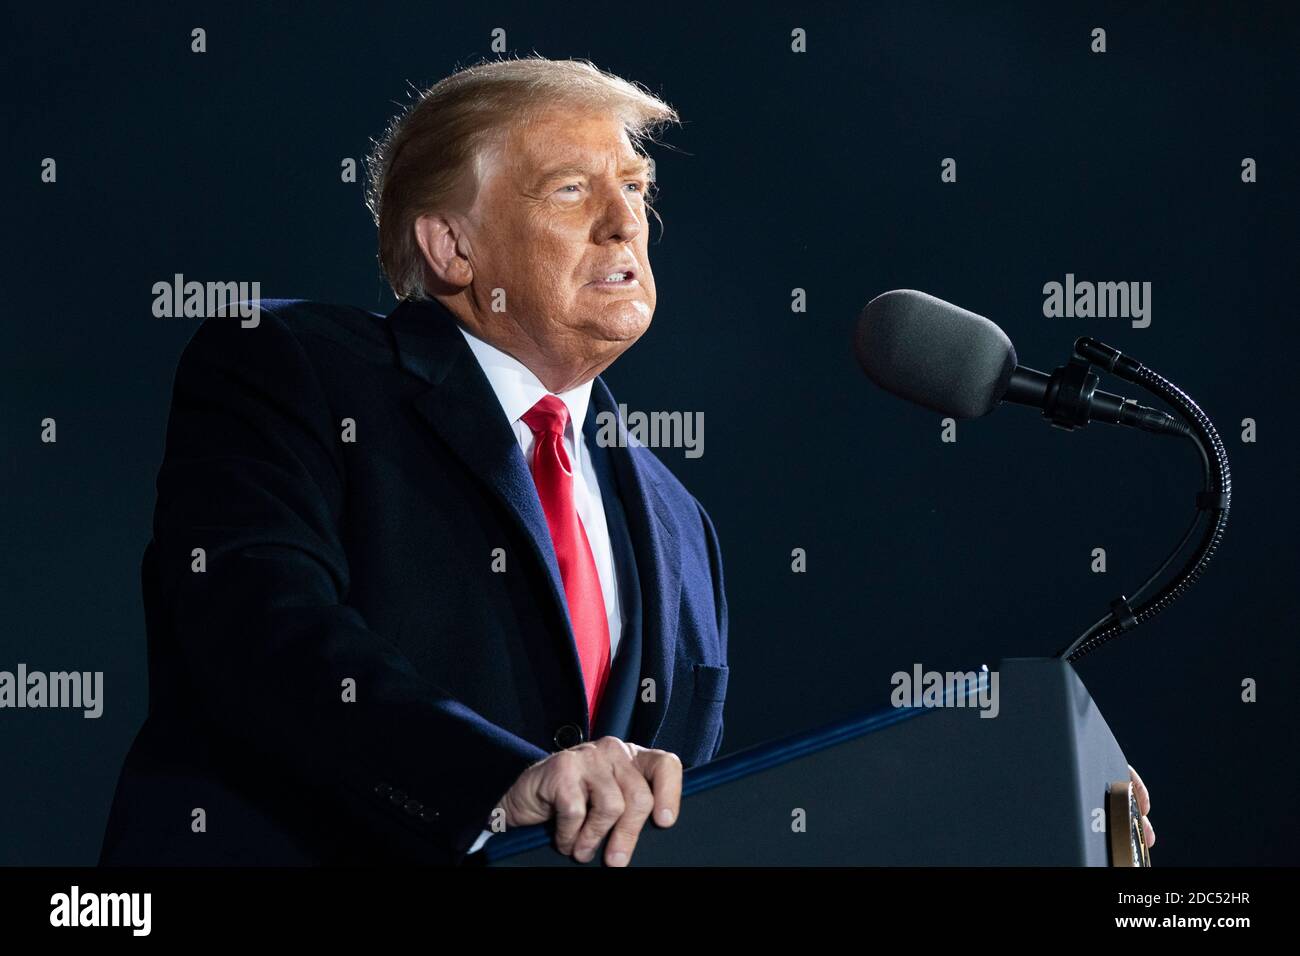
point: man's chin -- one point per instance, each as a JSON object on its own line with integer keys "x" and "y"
{"x": 625, "y": 323}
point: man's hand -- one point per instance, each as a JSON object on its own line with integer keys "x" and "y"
{"x": 1144, "y": 806}
{"x": 601, "y": 787}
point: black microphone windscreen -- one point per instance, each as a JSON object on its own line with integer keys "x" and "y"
{"x": 933, "y": 353}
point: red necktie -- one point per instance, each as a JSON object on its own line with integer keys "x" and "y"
{"x": 553, "y": 476}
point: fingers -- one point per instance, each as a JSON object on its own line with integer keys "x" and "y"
{"x": 1140, "y": 791}
{"x": 638, "y": 801}
{"x": 602, "y": 789}
{"x": 663, "y": 771}
{"x": 605, "y": 806}
{"x": 625, "y": 783}
{"x": 569, "y": 804}
{"x": 1144, "y": 806}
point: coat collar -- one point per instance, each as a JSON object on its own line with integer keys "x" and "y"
{"x": 461, "y": 408}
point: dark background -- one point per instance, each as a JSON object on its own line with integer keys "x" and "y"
{"x": 818, "y": 171}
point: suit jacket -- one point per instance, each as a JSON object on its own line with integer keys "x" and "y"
{"x": 339, "y": 669}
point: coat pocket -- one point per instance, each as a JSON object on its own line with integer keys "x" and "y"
{"x": 711, "y": 681}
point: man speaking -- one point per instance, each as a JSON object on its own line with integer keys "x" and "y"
{"x": 398, "y": 596}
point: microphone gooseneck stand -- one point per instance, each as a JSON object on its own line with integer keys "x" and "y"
{"x": 1212, "y": 502}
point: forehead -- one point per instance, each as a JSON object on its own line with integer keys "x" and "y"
{"x": 562, "y": 137}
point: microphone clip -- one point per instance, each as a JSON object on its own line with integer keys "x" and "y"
{"x": 1069, "y": 396}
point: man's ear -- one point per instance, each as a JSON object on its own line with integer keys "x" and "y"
{"x": 441, "y": 241}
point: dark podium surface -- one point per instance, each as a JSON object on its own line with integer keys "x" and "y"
{"x": 906, "y": 786}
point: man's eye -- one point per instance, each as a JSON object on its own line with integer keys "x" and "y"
{"x": 572, "y": 189}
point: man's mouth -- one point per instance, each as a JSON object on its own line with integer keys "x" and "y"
{"x": 615, "y": 280}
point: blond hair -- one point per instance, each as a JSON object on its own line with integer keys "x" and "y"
{"x": 447, "y": 134}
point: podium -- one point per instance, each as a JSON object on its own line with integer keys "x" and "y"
{"x": 1040, "y": 783}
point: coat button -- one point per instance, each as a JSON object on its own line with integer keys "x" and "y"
{"x": 398, "y": 797}
{"x": 569, "y": 735}
{"x": 413, "y": 807}
{"x": 428, "y": 816}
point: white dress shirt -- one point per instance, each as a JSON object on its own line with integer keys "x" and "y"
{"x": 518, "y": 390}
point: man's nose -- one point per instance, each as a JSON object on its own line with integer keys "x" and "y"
{"x": 619, "y": 219}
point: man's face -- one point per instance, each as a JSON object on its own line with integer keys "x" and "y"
{"x": 562, "y": 208}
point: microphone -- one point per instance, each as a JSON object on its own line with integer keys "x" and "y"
{"x": 961, "y": 365}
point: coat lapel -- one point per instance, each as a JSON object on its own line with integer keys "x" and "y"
{"x": 656, "y": 543}
{"x": 461, "y": 408}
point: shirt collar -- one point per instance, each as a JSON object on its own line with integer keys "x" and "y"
{"x": 518, "y": 389}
